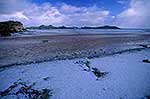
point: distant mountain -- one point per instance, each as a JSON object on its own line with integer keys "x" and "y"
{"x": 42, "y": 27}
{"x": 101, "y": 27}
{"x": 64, "y": 27}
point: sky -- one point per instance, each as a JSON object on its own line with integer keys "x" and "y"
{"x": 122, "y": 13}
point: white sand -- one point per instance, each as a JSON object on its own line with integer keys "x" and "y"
{"x": 128, "y": 77}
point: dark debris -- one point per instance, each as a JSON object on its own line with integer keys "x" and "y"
{"x": 146, "y": 61}
{"x": 98, "y": 73}
{"x": 26, "y": 91}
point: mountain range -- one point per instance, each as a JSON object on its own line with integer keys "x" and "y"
{"x": 66, "y": 27}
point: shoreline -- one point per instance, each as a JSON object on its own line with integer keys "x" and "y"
{"x": 37, "y": 49}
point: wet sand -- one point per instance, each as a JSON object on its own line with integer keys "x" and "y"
{"x": 32, "y": 49}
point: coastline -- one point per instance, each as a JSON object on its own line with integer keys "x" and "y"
{"x": 36, "y": 49}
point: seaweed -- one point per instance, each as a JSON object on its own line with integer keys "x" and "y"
{"x": 98, "y": 73}
{"x": 27, "y": 91}
{"x": 86, "y": 65}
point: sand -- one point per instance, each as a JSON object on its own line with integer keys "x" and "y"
{"x": 127, "y": 78}
{"x": 33, "y": 49}
{"x": 45, "y": 61}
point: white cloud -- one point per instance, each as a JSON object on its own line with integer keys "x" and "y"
{"x": 121, "y": 1}
{"x": 84, "y": 15}
{"x": 14, "y": 16}
{"x": 43, "y": 14}
{"x": 33, "y": 14}
{"x": 137, "y": 15}
{"x": 69, "y": 9}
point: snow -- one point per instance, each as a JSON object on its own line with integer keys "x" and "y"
{"x": 128, "y": 77}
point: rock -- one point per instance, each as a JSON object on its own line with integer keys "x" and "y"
{"x": 46, "y": 78}
{"x": 44, "y": 41}
{"x": 146, "y": 97}
{"x": 145, "y": 46}
{"x": 8, "y": 27}
{"x": 146, "y": 61}
{"x": 98, "y": 73}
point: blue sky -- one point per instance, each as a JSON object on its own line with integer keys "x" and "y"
{"x": 123, "y": 13}
{"x": 115, "y": 6}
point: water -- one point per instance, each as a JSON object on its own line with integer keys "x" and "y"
{"x": 32, "y": 32}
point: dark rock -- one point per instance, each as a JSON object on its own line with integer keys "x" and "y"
{"x": 145, "y": 46}
{"x": 147, "y": 97}
{"x": 46, "y": 78}
{"x": 98, "y": 73}
{"x": 44, "y": 41}
{"x": 87, "y": 64}
{"x": 8, "y": 27}
{"x": 146, "y": 61}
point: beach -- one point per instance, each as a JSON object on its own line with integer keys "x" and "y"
{"x": 76, "y": 66}
{"x": 33, "y": 49}
{"x": 74, "y": 49}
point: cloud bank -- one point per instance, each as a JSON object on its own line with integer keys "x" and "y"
{"x": 33, "y": 14}
{"x": 137, "y": 15}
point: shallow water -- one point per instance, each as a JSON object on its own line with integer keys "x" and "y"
{"x": 82, "y": 31}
